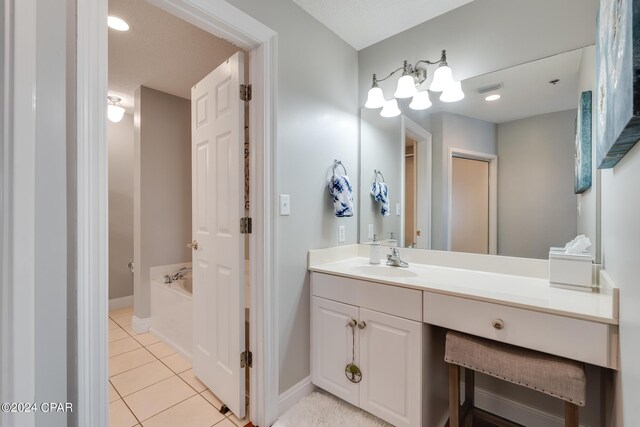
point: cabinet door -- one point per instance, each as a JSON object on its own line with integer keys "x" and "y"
{"x": 332, "y": 346}
{"x": 390, "y": 359}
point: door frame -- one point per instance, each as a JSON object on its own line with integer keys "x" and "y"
{"x": 221, "y": 19}
{"x": 423, "y": 155}
{"x": 492, "y": 159}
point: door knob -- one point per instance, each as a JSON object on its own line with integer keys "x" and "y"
{"x": 193, "y": 245}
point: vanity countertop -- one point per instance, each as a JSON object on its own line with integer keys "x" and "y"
{"x": 522, "y": 291}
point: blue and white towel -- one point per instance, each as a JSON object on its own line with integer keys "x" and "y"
{"x": 380, "y": 193}
{"x": 342, "y": 192}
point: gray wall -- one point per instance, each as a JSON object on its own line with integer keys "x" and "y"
{"x": 318, "y": 121}
{"x": 621, "y": 253}
{"x": 162, "y": 187}
{"x": 536, "y": 202}
{"x": 120, "y": 141}
{"x": 483, "y": 36}
{"x": 381, "y": 148}
{"x": 453, "y": 131}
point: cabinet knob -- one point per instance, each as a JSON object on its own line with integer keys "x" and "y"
{"x": 352, "y": 323}
{"x": 362, "y": 324}
{"x": 498, "y": 324}
{"x": 193, "y": 245}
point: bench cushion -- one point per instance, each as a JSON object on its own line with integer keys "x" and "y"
{"x": 553, "y": 375}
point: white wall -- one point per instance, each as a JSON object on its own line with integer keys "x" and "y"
{"x": 621, "y": 253}
{"x": 317, "y": 122}
{"x": 381, "y": 148}
{"x": 589, "y": 201}
{"x": 120, "y": 142}
{"x": 453, "y": 131}
{"x": 536, "y": 200}
{"x": 162, "y": 187}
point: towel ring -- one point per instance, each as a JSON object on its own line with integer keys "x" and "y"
{"x": 337, "y": 163}
{"x": 377, "y": 173}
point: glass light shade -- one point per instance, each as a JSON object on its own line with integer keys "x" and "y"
{"x": 453, "y": 93}
{"x": 115, "y": 112}
{"x": 420, "y": 101}
{"x": 390, "y": 109}
{"x": 406, "y": 87}
{"x": 117, "y": 24}
{"x": 375, "y": 99}
{"x": 442, "y": 79}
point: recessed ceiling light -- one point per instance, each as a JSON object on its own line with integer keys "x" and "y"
{"x": 493, "y": 97}
{"x": 117, "y": 24}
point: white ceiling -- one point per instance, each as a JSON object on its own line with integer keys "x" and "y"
{"x": 160, "y": 51}
{"x": 526, "y": 90}
{"x": 362, "y": 23}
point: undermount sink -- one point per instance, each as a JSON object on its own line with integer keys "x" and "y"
{"x": 384, "y": 270}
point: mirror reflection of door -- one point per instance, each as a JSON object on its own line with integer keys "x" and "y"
{"x": 470, "y": 206}
{"x": 410, "y": 192}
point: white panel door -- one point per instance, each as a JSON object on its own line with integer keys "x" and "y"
{"x": 391, "y": 363}
{"x": 217, "y": 127}
{"x": 332, "y": 347}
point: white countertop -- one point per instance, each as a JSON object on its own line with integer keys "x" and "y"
{"x": 529, "y": 292}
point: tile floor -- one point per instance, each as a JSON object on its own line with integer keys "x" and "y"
{"x": 152, "y": 386}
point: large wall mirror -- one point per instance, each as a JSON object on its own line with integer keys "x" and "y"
{"x": 486, "y": 175}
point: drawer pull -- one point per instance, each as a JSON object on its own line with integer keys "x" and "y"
{"x": 498, "y": 324}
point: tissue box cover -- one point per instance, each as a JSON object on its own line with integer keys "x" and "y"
{"x": 570, "y": 269}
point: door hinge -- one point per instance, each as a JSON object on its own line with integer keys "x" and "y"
{"x": 245, "y": 93}
{"x": 246, "y": 359}
{"x": 245, "y": 225}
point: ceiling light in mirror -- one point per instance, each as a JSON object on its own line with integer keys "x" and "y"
{"x": 453, "y": 93}
{"x": 375, "y": 98}
{"x": 420, "y": 101}
{"x": 442, "y": 78}
{"x": 406, "y": 87}
{"x": 115, "y": 111}
{"x": 493, "y": 97}
{"x": 117, "y": 24}
{"x": 390, "y": 109}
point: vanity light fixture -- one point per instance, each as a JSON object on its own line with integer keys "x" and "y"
{"x": 115, "y": 111}
{"x": 493, "y": 97}
{"x": 117, "y": 24}
{"x": 413, "y": 76}
{"x": 390, "y": 109}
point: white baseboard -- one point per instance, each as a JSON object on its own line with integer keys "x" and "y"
{"x": 515, "y": 411}
{"x": 293, "y": 395}
{"x": 122, "y": 302}
{"x": 140, "y": 326}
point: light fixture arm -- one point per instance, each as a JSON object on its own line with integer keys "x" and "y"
{"x": 420, "y": 73}
{"x": 376, "y": 80}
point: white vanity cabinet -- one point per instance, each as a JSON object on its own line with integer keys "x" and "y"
{"x": 388, "y": 347}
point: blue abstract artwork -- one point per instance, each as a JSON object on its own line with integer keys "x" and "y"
{"x": 618, "y": 80}
{"x": 583, "y": 144}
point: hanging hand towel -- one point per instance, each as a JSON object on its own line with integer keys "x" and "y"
{"x": 380, "y": 193}
{"x": 342, "y": 193}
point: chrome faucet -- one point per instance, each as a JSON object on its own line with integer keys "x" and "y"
{"x": 177, "y": 275}
{"x": 394, "y": 260}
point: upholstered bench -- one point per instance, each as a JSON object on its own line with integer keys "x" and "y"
{"x": 558, "y": 377}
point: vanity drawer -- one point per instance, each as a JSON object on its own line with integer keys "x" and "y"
{"x": 575, "y": 339}
{"x": 389, "y": 299}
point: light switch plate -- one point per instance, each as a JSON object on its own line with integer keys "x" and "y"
{"x": 341, "y": 234}
{"x": 370, "y": 232}
{"x": 397, "y": 209}
{"x": 285, "y": 205}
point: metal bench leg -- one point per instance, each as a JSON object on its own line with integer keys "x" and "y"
{"x": 454, "y": 395}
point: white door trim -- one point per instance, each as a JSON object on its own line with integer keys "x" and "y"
{"x": 492, "y": 159}
{"x": 223, "y": 20}
{"x": 423, "y": 156}
{"x": 17, "y": 201}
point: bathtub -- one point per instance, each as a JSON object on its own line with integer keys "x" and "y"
{"x": 172, "y": 313}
